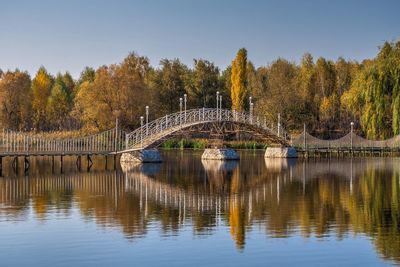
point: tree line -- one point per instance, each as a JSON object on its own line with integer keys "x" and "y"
{"x": 324, "y": 95}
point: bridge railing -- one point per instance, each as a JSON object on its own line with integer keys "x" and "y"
{"x": 110, "y": 141}
{"x": 12, "y": 142}
{"x": 349, "y": 141}
{"x": 167, "y": 124}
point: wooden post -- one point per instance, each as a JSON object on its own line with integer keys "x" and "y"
{"x": 61, "y": 163}
{"x": 89, "y": 162}
{"x": 15, "y": 165}
{"x": 26, "y": 164}
{"x": 78, "y": 162}
{"x": 116, "y": 133}
{"x": 52, "y": 164}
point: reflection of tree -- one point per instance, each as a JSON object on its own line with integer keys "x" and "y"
{"x": 237, "y": 212}
{"x": 281, "y": 199}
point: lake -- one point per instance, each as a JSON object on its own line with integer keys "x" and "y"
{"x": 189, "y": 212}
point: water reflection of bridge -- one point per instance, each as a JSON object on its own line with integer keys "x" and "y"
{"x": 201, "y": 197}
{"x": 310, "y": 197}
{"x": 16, "y": 190}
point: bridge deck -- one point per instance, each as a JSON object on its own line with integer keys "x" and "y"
{"x": 115, "y": 141}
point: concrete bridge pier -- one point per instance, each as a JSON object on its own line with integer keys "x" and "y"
{"x": 220, "y": 154}
{"x": 144, "y": 156}
{"x": 280, "y": 152}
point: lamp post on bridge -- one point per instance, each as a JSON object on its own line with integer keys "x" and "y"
{"x": 251, "y": 105}
{"x": 147, "y": 120}
{"x": 351, "y": 136}
{"x": 185, "y": 101}
{"x": 141, "y": 131}
{"x": 220, "y": 107}
{"x": 251, "y": 111}
{"x": 217, "y": 104}
{"x": 180, "y": 110}
{"x": 116, "y": 114}
{"x": 279, "y": 124}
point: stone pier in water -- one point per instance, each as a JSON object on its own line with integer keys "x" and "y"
{"x": 220, "y": 154}
{"x": 281, "y": 152}
{"x": 146, "y": 155}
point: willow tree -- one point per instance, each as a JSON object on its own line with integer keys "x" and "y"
{"x": 381, "y": 82}
{"x": 238, "y": 80}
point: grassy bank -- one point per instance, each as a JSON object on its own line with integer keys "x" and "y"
{"x": 203, "y": 143}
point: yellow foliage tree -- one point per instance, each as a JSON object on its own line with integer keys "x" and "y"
{"x": 41, "y": 89}
{"x": 238, "y": 80}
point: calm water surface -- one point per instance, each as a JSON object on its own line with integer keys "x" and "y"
{"x": 188, "y": 212}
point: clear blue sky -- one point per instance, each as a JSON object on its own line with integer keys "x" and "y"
{"x": 69, "y": 35}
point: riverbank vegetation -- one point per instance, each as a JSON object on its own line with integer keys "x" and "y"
{"x": 324, "y": 94}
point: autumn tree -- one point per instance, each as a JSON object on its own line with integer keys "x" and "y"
{"x": 15, "y": 100}
{"x": 41, "y": 89}
{"x": 281, "y": 95}
{"x": 306, "y": 80}
{"x": 238, "y": 80}
{"x": 118, "y": 89}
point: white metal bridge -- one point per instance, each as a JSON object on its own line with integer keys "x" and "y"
{"x": 224, "y": 120}
{"x": 115, "y": 141}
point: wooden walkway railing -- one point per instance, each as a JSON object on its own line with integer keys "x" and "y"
{"x": 115, "y": 141}
{"x": 17, "y": 143}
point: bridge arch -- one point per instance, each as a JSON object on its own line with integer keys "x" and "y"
{"x": 155, "y": 132}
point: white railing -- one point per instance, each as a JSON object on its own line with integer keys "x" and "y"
{"x": 161, "y": 127}
{"x": 115, "y": 141}
{"x": 13, "y": 143}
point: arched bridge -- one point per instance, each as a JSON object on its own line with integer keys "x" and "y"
{"x": 114, "y": 141}
{"x": 207, "y": 120}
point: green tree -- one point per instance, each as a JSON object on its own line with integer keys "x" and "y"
{"x": 170, "y": 84}
{"x": 206, "y": 82}
{"x": 238, "y": 80}
{"x": 379, "y": 86}
{"x": 58, "y": 105}
{"x": 226, "y": 85}
{"x": 69, "y": 84}
{"x": 87, "y": 75}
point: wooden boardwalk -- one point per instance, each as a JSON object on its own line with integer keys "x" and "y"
{"x": 348, "y": 145}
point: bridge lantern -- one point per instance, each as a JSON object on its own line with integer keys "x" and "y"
{"x": 185, "y": 100}
{"x": 217, "y": 98}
